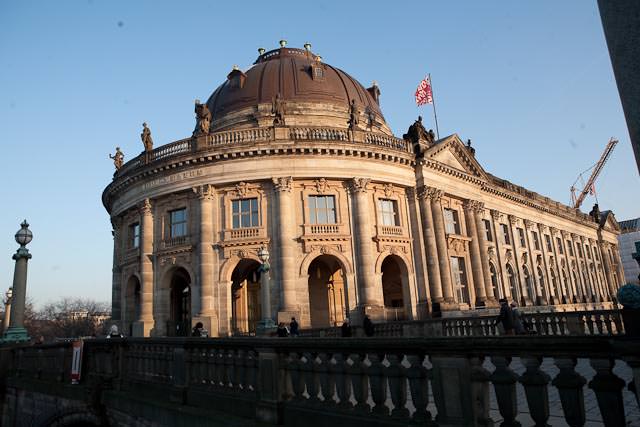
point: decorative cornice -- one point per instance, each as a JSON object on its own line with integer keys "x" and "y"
{"x": 283, "y": 184}
{"x": 204, "y": 192}
{"x": 359, "y": 185}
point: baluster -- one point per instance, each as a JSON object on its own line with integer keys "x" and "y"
{"x": 395, "y": 372}
{"x": 211, "y": 366}
{"x": 239, "y": 370}
{"x": 310, "y": 377}
{"x": 378, "y": 383}
{"x": 418, "y": 376}
{"x": 251, "y": 369}
{"x": 297, "y": 383}
{"x": 634, "y": 385}
{"x": 229, "y": 369}
{"x": 359, "y": 382}
{"x": 589, "y": 324}
{"x": 504, "y": 384}
{"x": 569, "y": 384}
{"x": 219, "y": 361}
{"x": 340, "y": 380}
{"x": 617, "y": 321}
{"x": 562, "y": 324}
{"x": 553, "y": 320}
{"x": 321, "y": 368}
{"x": 598, "y": 324}
{"x": 608, "y": 388}
{"x": 535, "y": 386}
{"x": 480, "y": 391}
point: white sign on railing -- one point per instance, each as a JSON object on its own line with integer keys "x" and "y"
{"x": 76, "y": 361}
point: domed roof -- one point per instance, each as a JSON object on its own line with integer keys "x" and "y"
{"x": 314, "y": 93}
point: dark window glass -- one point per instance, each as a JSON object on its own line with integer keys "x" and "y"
{"x": 559, "y": 243}
{"x": 322, "y": 210}
{"x": 536, "y": 241}
{"x": 505, "y": 234}
{"x": 451, "y": 224}
{"x": 547, "y": 239}
{"x": 523, "y": 242}
{"x": 134, "y": 235}
{"x": 245, "y": 213}
{"x": 459, "y": 278}
{"x": 569, "y": 247}
{"x": 487, "y": 230}
{"x": 178, "y": 222}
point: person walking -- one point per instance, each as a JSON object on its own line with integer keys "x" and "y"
{"x": 505, "y": 317}
{"x": 346, "y": 328}
{"x": 113, "y": 332}
{"x": 199, "y": 331}
{"x": 293, "y": 327}
{"x": 367, "y": 325}
{"x": 518, "y": 324}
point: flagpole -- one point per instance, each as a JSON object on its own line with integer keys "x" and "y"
{"x": 433, "y": 99}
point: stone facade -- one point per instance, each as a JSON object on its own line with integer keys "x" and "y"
{"x": 629, "y": 243}
{"x": 356, "y": 220}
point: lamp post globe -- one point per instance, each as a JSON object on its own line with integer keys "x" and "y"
{"x": 24, "y": 235}
{"x": 263, "y": 254}
{"x": 8, "y": 294}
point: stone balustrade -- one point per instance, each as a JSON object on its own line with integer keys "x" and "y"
{"x": 362, "y": 382}
{"x": 176, "y": 241}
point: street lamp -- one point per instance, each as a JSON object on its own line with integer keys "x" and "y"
{"x": 16, "y": 331}
{"x": 266, "y": 324}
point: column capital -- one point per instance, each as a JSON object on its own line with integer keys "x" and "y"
{"x": 204, "y": 192}
{"x": 283, "y": 184}
{"x": 496, "y": 215}
{"x": 359, "y": 185}
{"x": 529, "y": 224}
{"x": 543, "y": 228}
{"x": 513, "y": 219}
{"x": 144, "y": 207}
{"x": 473, "y": 205}
{"x": 553, "y": 231}
{"x": 565, "y": 234}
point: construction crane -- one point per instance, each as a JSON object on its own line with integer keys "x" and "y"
{"x": 597, "y": 168}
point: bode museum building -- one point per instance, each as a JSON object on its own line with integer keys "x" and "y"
{"x": 293, "y": 158}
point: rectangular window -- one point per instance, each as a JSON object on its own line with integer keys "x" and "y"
{"x": 505, "y": 234}
{"x": 322, "y": 210}
{"x": 459, "y": 278}
{"x": 559, "y": 243}
{"x": 245, "y": 213}
{"x": 134, "y": 235}
{"x": 547, "y": 239}
{"x": 579, "y": 250}
{"x": 388, "y": 212}
{"x": 523, "y": 242}
{"x": 178, "y": 223}
{"x": 451, "y": 224}
{"x": 536, "y": 241}
{"x": 487, "y": 230}
{"x": 569, "y": 247}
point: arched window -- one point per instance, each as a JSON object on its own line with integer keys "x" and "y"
{"x": 566, "y": 284}
{"x": 554, "y": 285}
{"x": 495, "y": 284}
{"x": 540, "y": 281}
{"x": 528, "y": 281}
{"x": 513, "y": 282}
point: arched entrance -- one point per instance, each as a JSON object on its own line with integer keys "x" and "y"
{"x": 180, "y": 315}
{"x": 394, "y": 277}
{"x": 326, "y": 292}
{"x": 246, "y": 306}
{"x": 132, "y": 304}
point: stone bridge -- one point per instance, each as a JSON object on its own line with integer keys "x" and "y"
{"x": 379, "y": 381}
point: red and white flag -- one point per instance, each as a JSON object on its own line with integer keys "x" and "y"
{"x": 424, "y": 95}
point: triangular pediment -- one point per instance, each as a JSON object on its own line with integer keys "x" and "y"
{"x": 451, "y": 152}
{"x": 608, "y": 221}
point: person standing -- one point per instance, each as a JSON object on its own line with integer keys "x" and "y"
{"x": 346, "y": 328}
{"x": 293, "y": 327}
{"x": 282, "y": 330}
{"x": 505, "y": 317}
{"x": 367, "y": 325}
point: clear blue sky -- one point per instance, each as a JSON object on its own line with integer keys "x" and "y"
{"x": 529, "y": 82}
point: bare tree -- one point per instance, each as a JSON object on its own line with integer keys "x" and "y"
{"x": 71, "y": 318}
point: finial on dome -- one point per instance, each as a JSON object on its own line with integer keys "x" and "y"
{"x": 261, "y": 50}
{"x": 235, "y": 67}
{"x": 318, "y": 58}
{"x": 307, "y": 46}
{"x": 283, "y": 43}
{"x": 375, "y": 83}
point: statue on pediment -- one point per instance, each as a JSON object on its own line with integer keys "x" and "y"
{"x": 354, "y": 114}
{"x": 277, "y": 109}
{"x": 118, "y": 158}
{"x": 203, "y": 119}
{"x": 419, "y": 136}
{"x": 595, "y": 213}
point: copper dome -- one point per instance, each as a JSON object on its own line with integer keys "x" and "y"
{"x": 245, "y": 97}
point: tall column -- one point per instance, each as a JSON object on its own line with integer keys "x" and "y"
{"x": 283, "y": 186}
{"x": 429, "y": 236}
{"x": 524, "y": 291}
{"x": 606, "y": 261}
{"x": 116, "y": 279}
{"x": 573, "y": 286}
{"x": 619, "y": 272}
{"x": 476, "y": 262}
{"x": 441, "y": 245}
{"x": 484, "y": 257}
{"x": 560, "y": 289}
{"x": 533, "y": 270}
{"x": 7, "y": 310}
{"x": 144, "y": 323}
{"x": 579, "y": 277}
{"x": 496, "y": 217}
{"x": 418, "y": 253}
{"x": 207, "y": 313}
{"x": 366, "y": 283}
{"x": 589, "y": 284}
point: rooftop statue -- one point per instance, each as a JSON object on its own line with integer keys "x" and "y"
{"x": 353, "y": 115}
{"x": 595, "y": 213}
{"x": 418, "y": 135}
{"x": 146, "y": 138}
{"x": 118, "y": 158}
{"x": 470, "y": 148}
{"x": 277, "y": 109}
{"x": 203, "y": 119}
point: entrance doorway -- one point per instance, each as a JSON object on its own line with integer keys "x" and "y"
{"x": 180, "y": 318}
{"x": 326, "y": 292}
{"x": 246, "y": 306}
{"x": 393, "y": 278}
{"x": 132, "y": 303}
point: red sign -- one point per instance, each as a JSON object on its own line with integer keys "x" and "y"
{"x": 76, "y": 361}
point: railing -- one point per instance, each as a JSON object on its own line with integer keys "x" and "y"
{"x": 389, "y": 230}
{"x": 371, "y": 381}
{"x": 238, "y": 137}
{"x": 324, "y": 228}
{"x": 318, "y": 134}
{"x": 168, "y": 150}
{"x": 242, "y": 233}
{"x": 176, "y": 241}
{"x": 388, "y": 141}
